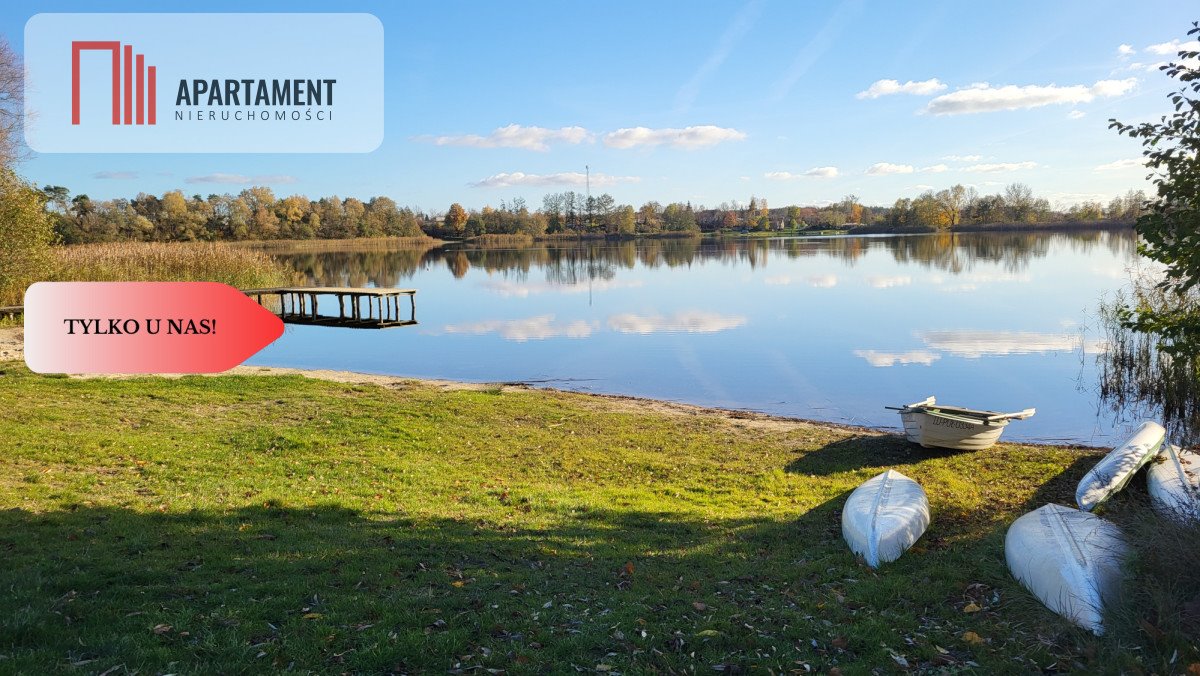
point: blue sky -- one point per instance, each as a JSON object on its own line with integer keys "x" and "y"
{"x": 708, "y": 102}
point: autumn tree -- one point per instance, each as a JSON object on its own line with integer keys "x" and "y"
{"x": 950, "y": 203}
{"x": 456, "y": 219}
{"x": 26, "y": 231}
{"x": 650, "y": 217}
{"x": 12, "y": 90}
{"x": 1018, "y": 198}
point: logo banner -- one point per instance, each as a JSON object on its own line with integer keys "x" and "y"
{"x": 203, "y": 83}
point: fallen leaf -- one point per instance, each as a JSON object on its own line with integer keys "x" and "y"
{"x": 972, "y": 608}
{"x": 628, "y": 568}
{"x": 699, "y": 606}
{"x": 840, "y": 643}
{"x": 161, "y": 629}
{"x": 834, "y": 671}
{"x": 603, "y": 667}
{"x": 312, "y": 616}
{"x": 1194, "y": 669}
{"x": 972, "y": 638}
{"x": 708, "y": 632}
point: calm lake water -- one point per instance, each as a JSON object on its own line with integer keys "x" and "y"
{"x": 828, "y": 328}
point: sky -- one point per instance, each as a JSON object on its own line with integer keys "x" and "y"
{"x": 796, "y": 102}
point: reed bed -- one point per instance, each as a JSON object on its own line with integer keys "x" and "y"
{"x": 176, "y": 262}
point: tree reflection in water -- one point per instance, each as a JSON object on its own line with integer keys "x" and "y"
{"x": 575, "y": 262}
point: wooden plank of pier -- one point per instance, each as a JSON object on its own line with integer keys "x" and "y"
{"x": 298, "y": 305}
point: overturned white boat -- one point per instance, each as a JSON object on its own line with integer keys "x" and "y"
{"x": 884, "y": 516}
{"x": 933, "y": 425}
{"x": 1173, "y": 481}
{"x": 1070, "y": 560}
{"x": 1115, "y": 470}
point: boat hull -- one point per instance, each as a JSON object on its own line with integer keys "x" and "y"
{"x": 884, "y": 516}
{"x": 934, "y": 431}
{"x": 1173, "y": 482}
{"x": 1070, "y": 560}
{"x": 1114, "y": 470}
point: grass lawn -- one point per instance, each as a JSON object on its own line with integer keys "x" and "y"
{"x": 242, "y": 524}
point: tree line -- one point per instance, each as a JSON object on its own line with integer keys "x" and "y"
{"x": 257, "y": 214}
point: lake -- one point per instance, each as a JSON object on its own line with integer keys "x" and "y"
{"x": 827, "y": 328}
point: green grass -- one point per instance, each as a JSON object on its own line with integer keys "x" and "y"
{"x": 246, "y": 524}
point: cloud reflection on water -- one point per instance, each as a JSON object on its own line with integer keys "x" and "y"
{"x": 521, "y": 330}
{"x": 885, "y": 359}
{"x": 691, "y": 321}
{"x": 975, "y": 344}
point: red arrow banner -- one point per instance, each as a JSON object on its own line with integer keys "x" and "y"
{"x": 143, "y": 327}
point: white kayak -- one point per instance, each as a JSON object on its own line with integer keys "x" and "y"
{"x": 1173, "y": 481}
{"x": 1115, "y": 470}
{"x": 884, "y": 517}
{"x": 1070, "y": 560}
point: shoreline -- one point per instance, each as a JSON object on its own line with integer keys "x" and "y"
{"x": 12, "y": 348}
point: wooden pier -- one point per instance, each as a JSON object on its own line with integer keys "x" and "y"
{"x": 298, "y": 305}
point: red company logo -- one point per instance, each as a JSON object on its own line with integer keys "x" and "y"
{"x": 145, "y": 80}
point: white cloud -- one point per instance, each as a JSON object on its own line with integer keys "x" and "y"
{"x": 115, "y": 175}
{"x": 693, "y": 321}
{"x": 523, "y": 290}
{"x": 815, "y": 172}
{"x": 688, "y": 138}
{"x": 1000, "y": 166}
{"x": 886, "y": 168}
{"x": 1125, "y": 50}
{"x": 240, "y": 179}
{"x": 1174, "y": 47}
{"x": 822, "y": 281}
{"x": 934, "y": 169}
{"x": 889, "y": 87}
{"x": 975, "y": 344}
{"x": 886, "y": 359}
{"x": 1075, "y": 114}
{"x": 517, "y": 178}
{"x": 1119, "y": 165}
{"x": 521, "y": 330}
{"x": 514, "y": 136}
{"x": 963, "y": 158}
{"x": 983, "y": 97}
{"x": 880, "y": 282}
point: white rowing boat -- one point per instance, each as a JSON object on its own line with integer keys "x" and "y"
{"x": 1173, "y": 481}
{"x": 932, "y": 425}
{"x": 1070, "y": 560}
{"x": 1115, "y": 470}
{"x": 884, "y": 516}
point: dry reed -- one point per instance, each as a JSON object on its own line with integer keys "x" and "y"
{"x": 179, "y": 262}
